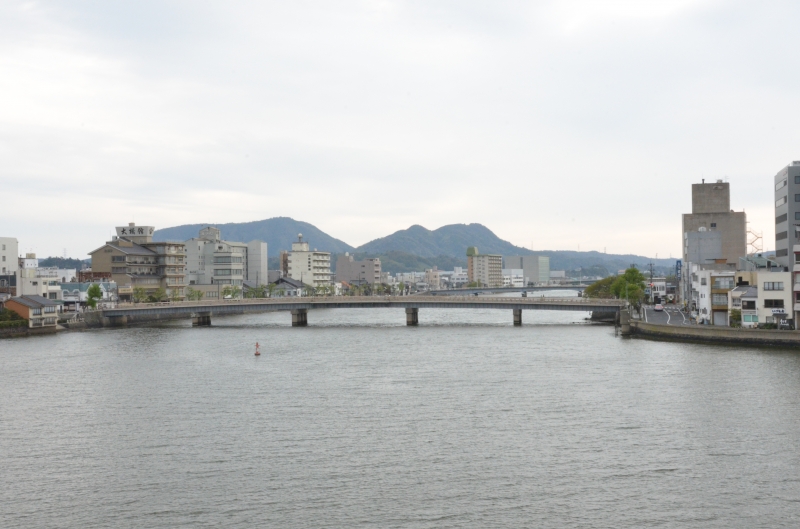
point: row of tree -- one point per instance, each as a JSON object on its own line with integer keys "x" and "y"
{"x": 629, "y": 286}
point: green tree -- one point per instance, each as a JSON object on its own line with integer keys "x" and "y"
{"x": 601, "y": 289}
{"x": 139, "y": 294}
{"x": 93, "y": 293}
{"x": 630, "y": 286}
{"x": 270, "y": 289}
{"x": 736, "y": 318}
{"x": 174, "y": 294}
{"x": 194, "y": 295}
{"x": 402, "y": 288}
{"x": 157, "y": 295}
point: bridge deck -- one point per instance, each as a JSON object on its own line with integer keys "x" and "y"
{"x": 352, "y": 302}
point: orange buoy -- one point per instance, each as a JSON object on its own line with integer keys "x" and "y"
{"x": 258, "y": 353}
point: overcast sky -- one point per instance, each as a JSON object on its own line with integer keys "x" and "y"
{"x": 563, "y": 126}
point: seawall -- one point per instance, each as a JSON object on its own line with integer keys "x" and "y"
{"x": 713, "y": 334}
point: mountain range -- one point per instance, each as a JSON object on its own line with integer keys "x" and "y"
{"x": 415, "y": 248}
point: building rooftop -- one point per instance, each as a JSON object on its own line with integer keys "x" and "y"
{"x": 34, "y": 302}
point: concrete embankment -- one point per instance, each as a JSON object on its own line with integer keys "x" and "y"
{"x": 713, "y": 334}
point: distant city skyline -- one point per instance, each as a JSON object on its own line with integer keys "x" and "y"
{"x": 563, "y": 125}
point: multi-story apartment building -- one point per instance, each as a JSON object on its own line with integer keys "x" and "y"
{"x": 513, "y": 277}
{"x": 358, "y": 272}
{"x": 484, "y": 269}
{"x": 433, "y": 277}
{"x": 710, "y": 290}
{"x": 311, "y": 267}
{"x": 787, "y": 212}
{"x": 535, "y": 268}
{"x": 41, "y": 313}
{"x": 9, "y": 251}
{"x": 133, "y": 260}
{"x": 213, "y": 261}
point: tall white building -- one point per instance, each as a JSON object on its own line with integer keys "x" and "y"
{"x": 309, "y": 266}
{"x": 535, "y": 268}
{"x": 9, "y": 252}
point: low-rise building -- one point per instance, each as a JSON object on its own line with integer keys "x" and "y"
{"x": 710, "y": 295}
{"x": 745, "y": 299}
{"x": 39, "y": 311}
{"x": 365, "y": 271}
{"x": 513, "y": 277}
{"x": 433, "y": 278}
{"x": 76, "y": 294}
{"x": 34, "y": 281}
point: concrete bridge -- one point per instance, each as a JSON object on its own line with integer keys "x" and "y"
{"x": 202, "y": 311}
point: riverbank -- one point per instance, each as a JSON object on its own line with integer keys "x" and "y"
{"x": 714, "y": 334}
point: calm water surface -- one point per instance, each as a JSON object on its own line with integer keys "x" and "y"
{"x": 359, "y": 421}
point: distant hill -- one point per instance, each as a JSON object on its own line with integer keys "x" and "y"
{"x": 64, "y": 263}
{"x": 412, "y": 249}
{"x": 451, "y": 240}
{"x": 279, "y": 233}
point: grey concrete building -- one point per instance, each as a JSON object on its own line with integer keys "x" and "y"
{"x": 358, "y": 272}
{"x": 535, "y": 268}
{"x": 787, "y": 212}
{"x": 711, "y": 210}
{"x": 213, "y": 261}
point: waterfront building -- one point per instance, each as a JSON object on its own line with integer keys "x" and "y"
{"x": 308, "y": 266}
{"x": 76, "y": 294}
{"x": 710, "y": 295}
{"x": 484, "y": 269}
{"x": 535, "y": 268}
{"x": 459, "y": 277}
{"x": 787, "y": 212}
{"x": 288, "y": 287}
{"x": 34, "y": 281}
{"x": 41, "y": 313}
{"x": 9, "y": 252}
{"x": 713, "y": 235}
{"x": 745, "y": 299}
{"x": 133, "y": 260}
{"x": 213, "y": 261}
{"x": 366, "y": 271}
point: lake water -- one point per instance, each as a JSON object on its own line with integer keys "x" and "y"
{"x": 360, "y": 421}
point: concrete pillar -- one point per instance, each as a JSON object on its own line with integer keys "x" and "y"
{"x": 299, "y": 317}
{"x": 517, "y": 317}
{"x": 201, "y": 319}
{"x": 412, "y": 316}
{"x": 625, "y": 322}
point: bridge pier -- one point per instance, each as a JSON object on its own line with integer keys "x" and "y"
{"x": 412, "y": 317}
{"x": 625, "y": 322}
{"x": 517, "y": 317}
{"x": 299, "y": 317}
{"x": 201, "y": 319}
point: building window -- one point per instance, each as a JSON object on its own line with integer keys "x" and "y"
{"x": 797, "y": 179}
{"x": 797, "y": 197}
{"x": 750, "y": 318}
{"x": 723, "y": 282}
{"x": 749, "y": 305}
{"x": 781, "y": 253}
{"x": 719, "y": 299}
{"x": 781, "y": 201}
{"x": 773, "y": 303}
{"x": 784, "y": 217}
{"x": 781, "y": 184}
{"x": 773, "y": 285}
{"x": 797, "y": 215}
{"x": 782, "y": 235}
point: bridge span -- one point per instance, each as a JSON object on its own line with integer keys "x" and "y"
{"x": 501, "y": 290}
{"x": 202, "y": 311}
